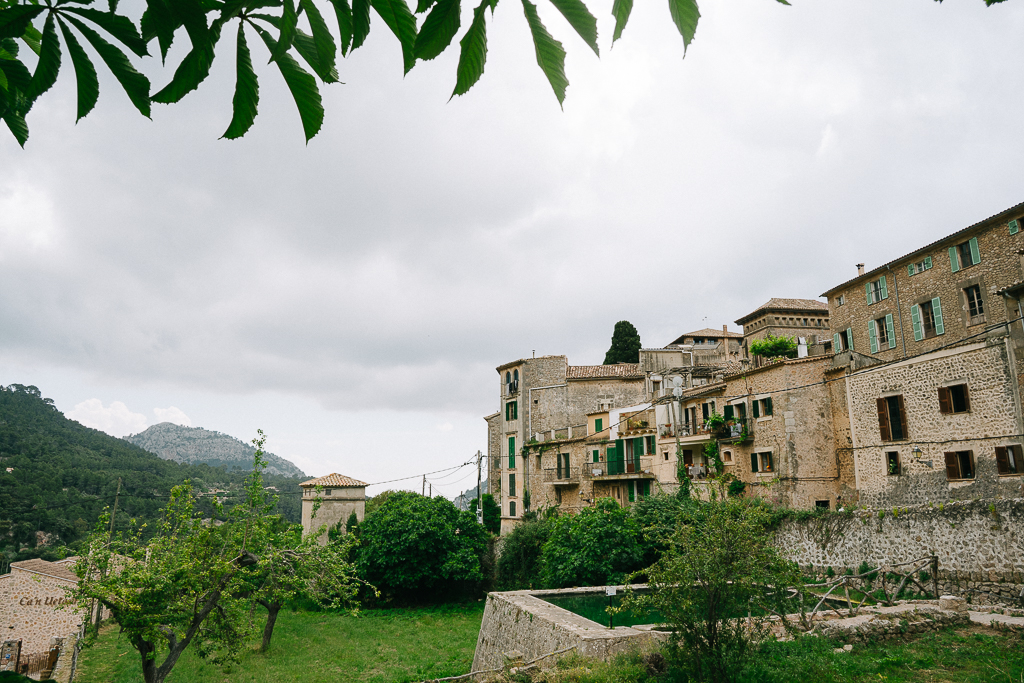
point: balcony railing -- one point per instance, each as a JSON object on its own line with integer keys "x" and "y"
{"x": 736, "y": 429}
{"x": 685, "y": 429}
{"x": 563, "y": 475}
{"x": 639, "y": 467}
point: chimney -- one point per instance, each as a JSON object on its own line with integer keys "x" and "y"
{"x": 725, "y": 328}
{"x": 860, "y": 269}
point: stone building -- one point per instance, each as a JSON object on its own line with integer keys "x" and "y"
{"x": 546, "y": 400}
{"x": 806, "y": 320}
{"x": 34, "y": 606}
{"x": 339, "y": 497}
{"x": 930, "y": 348}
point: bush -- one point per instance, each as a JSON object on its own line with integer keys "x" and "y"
{"x": 519, "y": 565}
{"x": 492, "y": 513}
{"x": 599, "y": 546}
{"x": 718, "y": 568}
{"x": 736, "y": 488}
{"x": 774, "y": 347}
{"x": 415, "y": 548}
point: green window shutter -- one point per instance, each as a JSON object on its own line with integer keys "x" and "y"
{"x": 927, "y": 262}
{"x": 768, "y": 406}
{"x": 837, "y": 345}
{"x": 753, "y": 462}
{"x": 937, "y": 312}
{"x": 558, "y": 467}
{"x": 511, "y": 452}
{"x": 915, "y": 319}
{"x": 515, "y": 410}
{"x": 597, "y": 455}
{"x": 872, "y": 337}
{"x": 599, "y": 425}
{"x": 1014, "y": 227}
{"x": 757, "y": 409}
{"x": 883, "y": 291}
{"x": 890, "y": 331}
{"x": 954, "y": 262}
{"x": 632, "y": 491}
{"x": 511, "y": 484}
{"x": 975, "y": 254}
{"x": 910, "y": 269}
{"x": 849, "y": 338}
{"x": 727, "y": 412}
{"x": 867, "y": 290}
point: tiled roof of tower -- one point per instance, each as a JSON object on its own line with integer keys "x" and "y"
{"x": 617, "y": 371}
{"x": 785, "y": 305}
{"x": 708, "y": 332}
{"x": 334, "y": 479}
{"x": 45, "y": 568}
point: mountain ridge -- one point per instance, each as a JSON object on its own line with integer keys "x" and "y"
{"x": 195, "y": 445}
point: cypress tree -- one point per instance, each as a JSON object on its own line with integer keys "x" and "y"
{"x": 625, "y": 346}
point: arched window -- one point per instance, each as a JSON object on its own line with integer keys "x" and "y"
{"x": 508, "y": 378}
{"x": 515, "y": 375}
{"x": 512, "y": 508}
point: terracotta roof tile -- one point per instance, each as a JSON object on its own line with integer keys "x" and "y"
{"x": 45, "y": 568}
{"x": 334, "y": 480}
{"x": 785, "y": 305}
{"x": 617, "y": 371}
{"x": 708, "y": 332}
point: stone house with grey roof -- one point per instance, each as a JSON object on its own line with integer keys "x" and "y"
{"x": 339, "y": 497}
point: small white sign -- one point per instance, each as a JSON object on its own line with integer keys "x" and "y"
{"x": 609, "y": 590}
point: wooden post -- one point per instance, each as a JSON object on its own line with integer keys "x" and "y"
{"x": 935, "y": 575}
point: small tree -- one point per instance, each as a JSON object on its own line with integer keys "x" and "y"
{"x": 600, "y": 545}
{"x": 625, "y": 346}
{"x": 719, "y": 567}
{"x": 492, "y": 513}
{"x": 774, "y": 347}
{"x": 352, "y": 522}
{"x": 519, "y": 566}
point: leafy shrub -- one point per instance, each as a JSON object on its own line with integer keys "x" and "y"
{"x": 415, "y": 548}
{"x": 736, "y": 488}
{"x": 492, "y": 513}
{"x": 597, "y": 547}
{"x": 774, "y": 347}
{"x": 519, "y": 565}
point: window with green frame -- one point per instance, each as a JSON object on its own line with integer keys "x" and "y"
{"x": 598, "y": 425}
{"x": 511, "y": 452}
{"x": 511, "y": 411}
{"x": 597, "y": 455}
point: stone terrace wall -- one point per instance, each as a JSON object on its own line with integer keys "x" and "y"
{"x": 980, "y": 544}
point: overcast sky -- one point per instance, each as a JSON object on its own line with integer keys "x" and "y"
{"x": 353, "y": 296}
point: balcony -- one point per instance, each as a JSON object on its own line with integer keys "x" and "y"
{"x": 628, "y": 468}
{"x": 565, "y": 476}
{"x": 736, "y": 430}
{"x": 685, "y": 429}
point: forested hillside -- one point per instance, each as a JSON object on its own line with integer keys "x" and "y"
{"x": 202, "y": 446}
{"x": 56, "y": 476}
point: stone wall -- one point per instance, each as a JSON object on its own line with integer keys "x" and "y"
{"x": 29, "y": 611}
{"x": 980, "y": 544}
{"x": 333, "y": 509}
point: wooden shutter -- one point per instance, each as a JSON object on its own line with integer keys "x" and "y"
{"x": 910, "y": 269}
{"x": 599, "y": 425}
{"x": 837, "y": 345}
{"x": 515, "y": 410}
{"x": 768, "y": 406}
{"x": 937, "y": 314}
{"x": 915, "y": 320}
{"x": 903, "y": 416}
{"x": 952, "y": 466}
{"x": 867, "y": 290}
{"x": 757, "y": 409}
{"x": 883, "y": 292}
{"x": 872, "y": 337}
{"x": 1002, "y": 462}
{"x": 967, "y": 399}
{"x": 727, "y": 412}
{"x": 558, "y": 470}
{"x": 975, "y": 254}
{"x": 890, "y": 330}
{"x": 753, "y": 462}
{"x": 849, "y": 338}
{"x": 883, "y": 420}
{"x": 511, "y": 452}
{"x": 631, "y": 489}
{"x": 1014, "y": 227}
{"x": 597, "y": 455}
{"x": 650, "y": 445}
{"x": 927, "y": 262}
{"x": 954, "y": 260}
{"x": 511, "y": 484}
{"x": 969, "y": 460}
{"x": 945, "y": 405}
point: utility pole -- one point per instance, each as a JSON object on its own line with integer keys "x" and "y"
{"x": 423, "y": 491}
{"x": 479, "y": 495}
{"x": 431, "y": 485}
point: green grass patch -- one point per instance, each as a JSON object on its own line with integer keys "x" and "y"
{"x": 378, "y": 646}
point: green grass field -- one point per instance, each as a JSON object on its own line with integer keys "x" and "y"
{"x": 378, "y": 646}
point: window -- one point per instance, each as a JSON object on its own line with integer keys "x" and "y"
{"x": 558, "y": 496}
{"x": 1009, "y": 459}
{"x": 840, "y": 300}
{"x": 726, "y": 456}
{"x": 511, "y": 452}
{"x": 511, "y": 411}
{"x": 763, "y": 407}
{"x": 511, "y": 508}
{"x": 892, "y": 422}
{"x": 975, "y": 306}
{"x": 665, "y": 453}
{"x": 926, "y": 318}
{"x": 954, "y": 399}
{"x": 511, "y": 485}
{"x": 1014, "y": 226}
{"x": 327, "y": 492}
{"x": 881, "y": 333}
{"x": 920, "y": 266}
{"x": 964, "y": 255}
{"x": 761, "y": 462}
{"x": 822, "y": 504}
{"x": 960, "y": 465}
{"x": 876, "y": 290}
{"x": 892, "y": 463}
{"x": 563, "y": 465}
{"x": 515, "y": 376}
{"x": 842, "y": 341}
{"x": 650, "y": 444}
{"x": 597, "y": 455}
{"x": 598, "y": 425}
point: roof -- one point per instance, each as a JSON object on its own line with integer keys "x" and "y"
{"x": 509, "y": 364}
{"x": 1011, "y": 288}
{"x": 808, "y": 305}
{"x": 617, "y": 371}
{"x": 45, "y": 568}
{"x": 708, "y": 332}
{"x": 996, "y": 219}
{"x": 334, "y": 480}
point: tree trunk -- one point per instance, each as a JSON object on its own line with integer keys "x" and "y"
{"x": 268, "y": 630}
{"x": 148, "y": 653}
